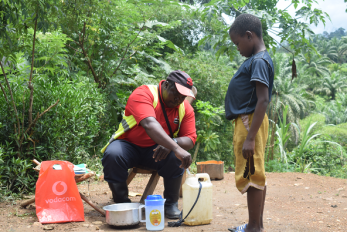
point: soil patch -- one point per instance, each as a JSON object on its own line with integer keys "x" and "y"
{"x": 295, "y": 202}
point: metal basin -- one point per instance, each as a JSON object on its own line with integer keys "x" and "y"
{"x": 123, "y": 214}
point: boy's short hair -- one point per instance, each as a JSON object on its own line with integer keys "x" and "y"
{"x": 246, "y": 22}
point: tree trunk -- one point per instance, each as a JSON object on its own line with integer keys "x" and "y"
{"x": 196, "y": 152}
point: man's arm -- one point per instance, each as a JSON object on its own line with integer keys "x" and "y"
{"x": 185, "y": 142}
{"x": 259, "y": 113}
{"x": 156, "y": 132}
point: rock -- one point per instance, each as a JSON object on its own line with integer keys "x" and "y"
{"x": 98, "y": 223}
{"x": 334, "y": 206}
{"x": 85, "y": 225}
{"x": 28, "y": 226}
{"x": 48, "y": 227}
{"x": 97, "y": 228}
{"x": 297, "y": 184}
{"x": 31, "y": 207}
{"x": 37, "y": 224}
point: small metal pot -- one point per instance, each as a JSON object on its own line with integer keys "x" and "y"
{"x": 123, "y": 214}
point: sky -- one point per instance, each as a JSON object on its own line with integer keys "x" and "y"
{"x": 335, "y": 8}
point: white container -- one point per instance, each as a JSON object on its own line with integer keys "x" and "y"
{"x": 155, "y": 216}
{"x": 202, "y": 212}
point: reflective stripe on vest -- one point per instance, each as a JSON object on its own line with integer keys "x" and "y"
{"x": 129, "y": 122}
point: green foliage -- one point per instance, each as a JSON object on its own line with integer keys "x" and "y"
{"x": 278, "y": 166}
{"x": 210, "y": 117}
{"x": 317, "y": 117}
{"x": 336, "y": 111}
{"x": 336, "y": 133}
{"x": 282, "y": 132}
{"x": 298, "y": 153}
{"x": 68, "y": 131}
{"x": 332, "y": 84}
{"x": 211, "y": 78}
{"x": 274, "y": 20}
{"x": 328, "y": 158}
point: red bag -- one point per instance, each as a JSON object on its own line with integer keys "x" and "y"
{"x": 56, "y": 197}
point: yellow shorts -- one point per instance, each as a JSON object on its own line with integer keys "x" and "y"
{"x": 250, "y": 172}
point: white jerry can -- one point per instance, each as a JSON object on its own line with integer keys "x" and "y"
{"x": 202, "y": 212}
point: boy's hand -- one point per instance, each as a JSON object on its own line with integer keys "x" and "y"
{"x": 248, "y": 148}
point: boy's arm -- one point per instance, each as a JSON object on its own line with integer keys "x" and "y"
{"x": 259, "y": 113}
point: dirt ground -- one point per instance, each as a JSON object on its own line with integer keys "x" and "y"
{"x": 295, "y": 202}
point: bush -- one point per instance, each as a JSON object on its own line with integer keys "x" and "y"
{"x": 72, "y": 130}
{"x": 319, "y": 118}
{"x": 336, "y": 133}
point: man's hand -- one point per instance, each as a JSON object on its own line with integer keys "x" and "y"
{"x": 248, "y": 148}
{"x": 160, "y": 153}
{"x": 184, "y": 156}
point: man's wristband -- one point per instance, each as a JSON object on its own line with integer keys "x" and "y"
{"x": 175, "y": 140}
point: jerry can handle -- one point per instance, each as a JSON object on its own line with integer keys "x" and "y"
{"x": 204, "y": 176}
{"x": 140, "y": 213}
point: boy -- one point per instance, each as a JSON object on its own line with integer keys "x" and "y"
{"x": 248, "y": 95}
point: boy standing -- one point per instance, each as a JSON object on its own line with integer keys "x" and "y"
{"x": 248, "y": 95}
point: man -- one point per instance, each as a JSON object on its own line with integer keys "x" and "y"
{"x": 145, "y": 138}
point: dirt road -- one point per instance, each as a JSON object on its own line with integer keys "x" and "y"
{"x": 295, "y": 202}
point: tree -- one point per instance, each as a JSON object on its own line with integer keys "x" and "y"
{"x": 340, "y": 48}
{"x": 332, "y": 84}
{"x": 274, "y": 21}
{"x": 289, "y": 93}
{"x": 314, "y": 64}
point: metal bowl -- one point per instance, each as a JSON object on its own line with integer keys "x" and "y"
{"x": 123, "y": 214}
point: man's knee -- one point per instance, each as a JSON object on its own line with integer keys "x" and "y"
{"x": 114, "y": 153}
{"x": 171, "y": 167}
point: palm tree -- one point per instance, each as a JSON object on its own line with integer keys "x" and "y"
{"x": 314, "y": 63}
{"x": 332, "y": 84}
{"x": 289, "y": 93}
{"x": 336, "y": 111}
{"x": 325, "y": 48}
{"x": 340, "y": 48}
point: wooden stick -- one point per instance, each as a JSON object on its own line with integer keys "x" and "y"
{"x": 93, "y": 205}
{"x": 36, "y": 162}
{"x": 27, "y": 202}
{"x": 84, "y": 177}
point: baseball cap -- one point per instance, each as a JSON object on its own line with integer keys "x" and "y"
{"x": 183, "y": 82}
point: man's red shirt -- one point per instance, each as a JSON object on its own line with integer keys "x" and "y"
{"x": 140, "y": 105}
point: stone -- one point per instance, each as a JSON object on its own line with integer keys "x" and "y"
{"x": 97, "y": 223}
{"x": 37, "y": 224}
{"x": 48, "y": 227}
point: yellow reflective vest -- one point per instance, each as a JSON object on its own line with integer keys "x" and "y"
{"x": 129, "y": 122}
